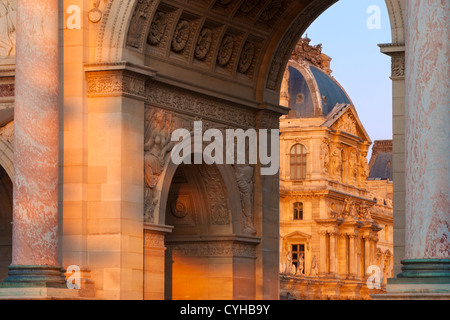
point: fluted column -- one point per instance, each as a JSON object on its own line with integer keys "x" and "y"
{"x": 35, "y": 207}
{"x": 427, "y": 146}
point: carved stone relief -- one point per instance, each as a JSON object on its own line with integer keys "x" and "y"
{"x": 215, "y": 190}
{"x": 182, "y": 210}
{"x": 225, "y": 50}
{"x": 153, "y": 240}
{"x": 353, "y": 165}
{"x": 140, "y": 23}
{"x": 271, "y": 10}
{"x": 7, "y": 132}
{"x": 336, "y": 162}
{"x": 157, "y": 28}
{"x": 186, "y": 102}
{"x": 95, "y": 14}
{"x": 398, "y": 65}
{"x": 181, "y": 36}
{"x": 7, "y": 28}
{"x": 244, "y": 178}
{"x": 203, "y": 43}
{"x": 347, "y": 123}
{"x": 159, "y": 126}
{"x": 104, "y": 83}
{"x": 364, "y": 168}
{"x": 248, "y": 5}
{"x": 223, "y": 248}
{"x": 325, "y": 156}
{"x": 246, "y": 58}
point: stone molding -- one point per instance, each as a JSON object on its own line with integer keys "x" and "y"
{"x": 290, "y": 38}
{"x": 397, "y": 53}
{"x": 213, "y": 248}
{"x": 117, "y": 79}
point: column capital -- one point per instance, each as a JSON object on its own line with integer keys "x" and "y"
{"x": 117, "y": 79}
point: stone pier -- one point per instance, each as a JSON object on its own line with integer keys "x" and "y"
{"x": 35, "y": 203}
{"x": 426, "y": 266}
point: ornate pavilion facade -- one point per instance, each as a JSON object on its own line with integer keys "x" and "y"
{"x": 330, "y": 221}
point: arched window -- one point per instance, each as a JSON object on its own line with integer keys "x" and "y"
{"x": 298, "y": 211}
{"x": 298, "y": 162}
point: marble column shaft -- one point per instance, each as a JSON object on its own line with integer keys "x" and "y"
{"x": 427, "y": 130}
{"x": 35, "y": 208}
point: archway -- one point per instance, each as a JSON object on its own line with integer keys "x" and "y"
{"x": 6, "y": 190}
{"x": 218, "y": 61}
{"x": 205, "y": 259}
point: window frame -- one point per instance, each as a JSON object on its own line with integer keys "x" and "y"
{"x": 296, "y": 214}
{"x": 298, "y": 162}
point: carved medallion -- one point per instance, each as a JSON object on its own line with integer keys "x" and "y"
{"x": 181, "y": 36}
{"x": 225, "y": 51}
{"x": 246, "y": 57}
{"x": 179, "y": 209}
{"x": 248, "y": 5}
{"x": 157, "y": 28}
{"x": 203, "y": 44}
{"x": 271, "y": 10}
{"x": 95, "y": 15}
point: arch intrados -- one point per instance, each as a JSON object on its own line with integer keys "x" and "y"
{"x": 300, "y": 15}
{"x": 229, "y": 183}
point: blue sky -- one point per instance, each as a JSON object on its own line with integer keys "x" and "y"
{"x": 358, "y": 65}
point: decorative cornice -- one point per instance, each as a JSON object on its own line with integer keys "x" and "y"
{"x": 220, "y": 248}
{"x": 117, "y": 79}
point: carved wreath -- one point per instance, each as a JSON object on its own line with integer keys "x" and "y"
{"x": 226, "y": 50}
{"x": 248, "y": 6}
{"x": 246, "y": 57}
{"x": 271, "y": 10}
{"x": 203, "y": 44}
{"x": 179, "y": 209}
{"x": 181, "y": 36}
{"x": 157, "y": 28}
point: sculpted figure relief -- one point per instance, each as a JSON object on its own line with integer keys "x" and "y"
{"x": 314, "y": 267}
{"x": 157, "y": 29}
{"x": 157, "y": 146}
{"x": 348, "y": 124}
{"x": 244, "y": 178}
{"x": 336, "y": 163}
{"x": 364, "y": 168}
{"x": 325, "y": 156}
{"x": 300, "y": 267}
{"x": 7, "y": 28}
{"x": 353, "y": 165}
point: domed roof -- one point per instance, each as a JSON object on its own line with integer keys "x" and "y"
{"x": 311, "y": 90}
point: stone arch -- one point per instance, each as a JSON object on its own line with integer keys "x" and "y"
{"x": 116, "y": 33}
{"x": 126, "y": 25}
{"x": 396, "y": 9}
{"x": 7, "y": 154}
{"x": 228, "y": 179}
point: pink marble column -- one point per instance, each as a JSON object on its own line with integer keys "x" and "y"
{"x": 427, "y": 131}
{"x": 35, "y": 208}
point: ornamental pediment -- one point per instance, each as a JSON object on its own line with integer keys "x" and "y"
{"x": 344, "y": 118}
